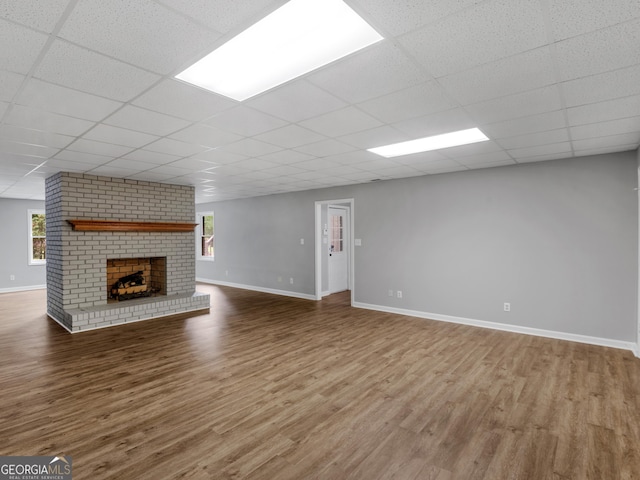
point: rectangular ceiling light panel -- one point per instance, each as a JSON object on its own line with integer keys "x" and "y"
{"x": 299, "y": 37}
{"x": 436, "y": 142}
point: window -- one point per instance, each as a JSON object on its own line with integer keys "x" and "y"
{"x": 337, "y": 234}
{"x": 206, "y": 237}
{"x": 37, "y": 237}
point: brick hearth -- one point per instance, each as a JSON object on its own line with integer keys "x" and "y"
{"x": 77, "y": 260}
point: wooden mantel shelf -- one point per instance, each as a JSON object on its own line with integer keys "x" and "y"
{"x": 84, "y": 225}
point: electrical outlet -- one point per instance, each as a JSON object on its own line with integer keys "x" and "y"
{"x": 391, "y": 293}
{"x": 226, "y": 273}
{"x": 279, "y": 279}
{"x": 507, "y": 307}
{"x": 291, "y": 280}
{"x": 302, "y": 241}
{"x": 399, "y": 294}
{"x": 12, "y": 277}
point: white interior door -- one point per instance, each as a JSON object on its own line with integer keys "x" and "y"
{"x": 338, "y": 250}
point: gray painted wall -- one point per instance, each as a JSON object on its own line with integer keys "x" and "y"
{"x": 558, "y": 240}
{"x": 14, "y": 246}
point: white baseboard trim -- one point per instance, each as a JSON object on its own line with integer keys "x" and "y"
{"x": 572, "y": 337}
{"x": 636, "y": 349}
{"x": 254, "y": 288}
{"x": 22, "y": 289}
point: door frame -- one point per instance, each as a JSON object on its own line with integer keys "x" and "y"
{"x": 347, "y": 203}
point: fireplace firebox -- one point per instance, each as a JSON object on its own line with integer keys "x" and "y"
{"x": 129, "y": 278}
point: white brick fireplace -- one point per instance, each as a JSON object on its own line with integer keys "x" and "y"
{"x": 136, "y": 215}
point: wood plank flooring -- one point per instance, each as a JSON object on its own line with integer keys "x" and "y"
{"x": 268, "y": 387}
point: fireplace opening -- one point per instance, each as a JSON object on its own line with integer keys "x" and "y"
{"x": 131, "y": 278}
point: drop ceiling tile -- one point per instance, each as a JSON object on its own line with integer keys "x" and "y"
{"x": 113, "y": 28}
{"x": 9, "y": 84}
{"x": 259, "y": 175}
{"x": 49, "y": 122}
{"x": 353, "y": 158}
{"x": 377, "y": 70}
{"x": 26, "y": 149}
{"x": 498, "y": 163}
{"x": 603, "y": 111}
{"x": 375, "y": 137}
{"x": 600, "y": 51}
{"x": 58, "y": 164}
{"x": 545, "y": 158}
{"x": 151, "y": 157}
{"x": 526, "y": 125}
{"x": 66, "y": 101}
{"x": 175, "y": 147}
{"x": 220, "y": 156}
{"x": 296, "y": 101}
{"x": 603, "y": 129}
{"x": 84, "y": 158}
{"x": 34, "y": 137}
{"x": 401, "y": 171}
{"x": 437, "y": 166}
{"x": 250, "y": 147}
{"x": 245, "y": 121}
{"x": 325, "y": 148}
{"x": 98, "y": 148}
{"x": 148, "y": 176}
{"x": 341, "y": 122}
{"x": 119, "y": 136}
{"x": 324, "y": 166}
{"x": 131, "y": 165}
{"x": 20, "y": 47}
{"x": 183, "y": 101}
{"x": 482, "y": 34}
{"x": 290, "y": 136}
{"x": 206, "y": 135}
{"x": 75, "y": 67}
{"x": 606, "y": 86}
{"x": 415, "y": 101}
{"x": 18, "y": 165}
{"x": 615, "y": 141}
{"x": 311, "y": 176}
{"x": 500, "y": 156}
{"x": 535, "y": 139}
{"x": 109, "y": 170}
{"x": 520, "y": 73}
{"x": 411, "y": 14}
{"x": 284, "y": 170}
{"x": 192, "y": 165}
{"x": 575, "y": 17}
{"x": 255, "y": 164}
{"x": 230, "y": 170}
{"x": 168, "y": 170}
{"x": 471, "y": 149}
{"x": 602, "y": 150}
{"x": 361, "y": 177}
{"x": 224, "y": 15}
{"x": 287, "y": 157}
{"x": 145, "y": 121}
{"x": 435, "y": 124}
{"x": 39, "y": 15}
{"x": 416, "y": 160}
{"x": 546, "y": 99}
{"x": 550, "y": 149}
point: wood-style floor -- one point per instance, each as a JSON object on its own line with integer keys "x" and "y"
{"x": 268, "y": 387}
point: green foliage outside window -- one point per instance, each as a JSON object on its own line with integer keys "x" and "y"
{"x": 38, "y": 236}
{"x": 207, "y": 236}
